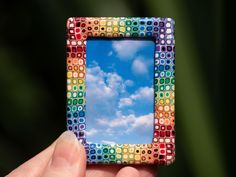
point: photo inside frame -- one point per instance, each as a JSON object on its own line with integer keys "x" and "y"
{"x": 119, "y": 90}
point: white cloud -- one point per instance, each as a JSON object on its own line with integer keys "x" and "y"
{"x": 110, "y": 54}
{"x": 125, "y": 102}
{"x": 141, "y": 65}
{"x": 122, "y": 121}
{"x": 126, "y": 49}
{"x": 114, "y": 81}
{"x": 102, "y": 92}
{"x": 91, "y": 132}
{"x": 143, "y": 93}
{"x": 142, "y": 123}
{"x": 129, "y": 123}
{"x": 108, "y": 142}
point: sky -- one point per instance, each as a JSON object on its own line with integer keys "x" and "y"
{"x": 119, "y": 91}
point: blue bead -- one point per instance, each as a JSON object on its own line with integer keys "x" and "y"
{"x": 149, "y": 28}
{"x": 161, "y": 68}
{"x": 69, "y": 122}
{"x": 92, "y": 146}
{"x": 149, "y": 22}
{"x": 81, "y": 113}
{"x": 99, "y": 157}
{"x": 149, "y": 34}
{"x": 93, "y": 157}
{"x": 75, "y": 114}
{"x": 142, "y": 28}
{"x": 99, "y": 151}
{"x": 167, "y": 67}
{"x": 92, "y": 151}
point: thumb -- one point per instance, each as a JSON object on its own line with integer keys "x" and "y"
{"x": 68, "y": 158}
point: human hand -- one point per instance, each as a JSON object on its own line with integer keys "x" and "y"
{"x": 66, "y": 158}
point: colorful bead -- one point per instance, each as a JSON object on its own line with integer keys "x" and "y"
{"x": 162, "y": 149}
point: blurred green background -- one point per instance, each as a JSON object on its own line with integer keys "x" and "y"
{"x": 33, "y": 75}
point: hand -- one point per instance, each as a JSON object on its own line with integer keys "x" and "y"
{"x": 66, "y": 158}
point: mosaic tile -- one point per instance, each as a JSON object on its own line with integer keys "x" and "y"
{"x": 161, "y": 150}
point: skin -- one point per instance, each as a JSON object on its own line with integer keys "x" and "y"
{"x": 66, "y": 157}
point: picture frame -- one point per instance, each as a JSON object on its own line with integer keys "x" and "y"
{"x": 161, "y": 150}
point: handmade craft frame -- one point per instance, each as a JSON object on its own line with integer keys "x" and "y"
{"x": 162, "y": 148}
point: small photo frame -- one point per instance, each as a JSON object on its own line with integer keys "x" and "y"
{"x": 161, "y": 150}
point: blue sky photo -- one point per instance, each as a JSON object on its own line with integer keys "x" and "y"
{"x": 119, "y": 91}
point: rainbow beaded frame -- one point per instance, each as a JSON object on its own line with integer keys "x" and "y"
{"x": 162, "y": 149}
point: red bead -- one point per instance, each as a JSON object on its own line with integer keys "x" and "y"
{"x": 78, "y": 36}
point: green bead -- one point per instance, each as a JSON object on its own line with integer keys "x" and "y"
{"x": 135, "y": 29}
{"x": 112, "y": 157}
{"x": 81, "y": 101}
{"x": 105, "y": 150}
{"x": 135, "y": 35}
{"x": 74, "y": 101}
{"x": 161, "y": 94}
{"x": 167, "y": 80}
{"x": 69, "y": 101}
{"x": 173, "y": 81}
{"x": 156, "y": 88}
{"x": 128, "y": 28}
{"x": 128, "y": 22}
{"x": 112, "y": 151}
{"x": 74, "y": 87}
{"x": 80, "y": 94}
{"x": 162, "y": 81}
{"x": 162, "y": 88}
{"x": 156, "y": 81}
{"x": 74, "y": 108}
{"x": 135, "y": 23}
{"x": 168, "y": 73}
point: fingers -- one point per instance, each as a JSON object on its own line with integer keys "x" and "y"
{"x": 68, "y": 158}
{"x": 128, "y": 172}
{"x": 113, "y": 170}
{"x": 147, "y": 171}
{"x": 102, "y": 170}
{"x": 34, "y": 166}
{"x": 138, "y": 170}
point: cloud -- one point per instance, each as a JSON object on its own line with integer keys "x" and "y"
{"x": 122, "y": 121}
{"x": 129, "y": 83}
{"x": 126, "y": 49}
{"x": 143, "y": 93}
{"x": 142, "y": 123}
{"x": 140, "y": 66}
{"x": 125, "y": 102}
{"x": 129, "y": 123}
{"x": 106, "y": 95}
{"x": 115, "y": 81}
{"x": 102, "y": 92}
{"x": 108, "y": 142}
{"x": 91, "y": 132}
{"x": 110, "y": 54}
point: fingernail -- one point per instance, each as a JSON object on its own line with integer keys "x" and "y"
{"x": 66, "y": 151}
